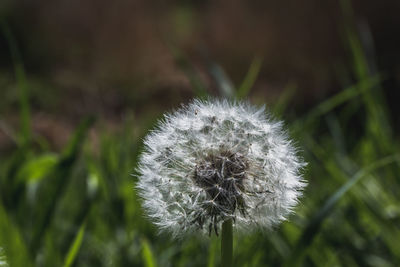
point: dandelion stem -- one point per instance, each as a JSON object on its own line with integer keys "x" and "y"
{"x": 226, "y": 244}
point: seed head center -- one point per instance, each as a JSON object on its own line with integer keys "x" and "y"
{"x": 221, "y": 176}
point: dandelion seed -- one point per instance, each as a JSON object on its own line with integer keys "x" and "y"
{"x": 213, "y": 161}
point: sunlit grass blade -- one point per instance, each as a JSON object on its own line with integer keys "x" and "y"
{"x": 147, "y": 254}
{"x": 75, "y": 246}
{"x": 314, "y": 225}
{"x": 35, "y": 169}
{"x": 250, "y": 78}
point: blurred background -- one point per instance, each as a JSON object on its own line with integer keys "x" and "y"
{"x": 82, "y": 82}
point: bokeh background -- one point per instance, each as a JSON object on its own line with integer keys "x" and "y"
{"x": 82, "y": 82}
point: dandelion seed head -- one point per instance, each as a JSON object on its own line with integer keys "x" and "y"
{"x": 215, "y": 160}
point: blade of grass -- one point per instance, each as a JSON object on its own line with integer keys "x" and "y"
{"x": 147, "y": 254}
{"x": 12, "y": 196}
{"x": 185, "y": 65}
{"x": 225, "y": 85}
{"x": 284, "y": 99}
{"x": 10, "y": 192}
{"x": 36, "y": 168}
{"x": 314, "y": 225}
{"x": 250, "y": 78}
{"x": 75, "y": 246}
{"x": 334, "y": 101}
{"x": 53, "y": 185}
{"x": 12, "y": 241}
{"x": 212, "y": 252}
{"x": 21, "y": 82}
{"x": 363, "y": 68}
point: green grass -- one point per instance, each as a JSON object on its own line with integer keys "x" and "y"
{"x": 78, "y": 207}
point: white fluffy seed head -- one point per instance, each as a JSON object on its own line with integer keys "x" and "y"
{"x": 215, "y": 160}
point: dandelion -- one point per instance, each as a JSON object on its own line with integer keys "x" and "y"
{"x": 213, "y": 163}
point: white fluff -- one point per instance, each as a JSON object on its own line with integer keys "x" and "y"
{"x": 182, "y": 143}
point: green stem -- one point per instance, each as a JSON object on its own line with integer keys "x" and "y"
{"x": 226, "y": 244}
